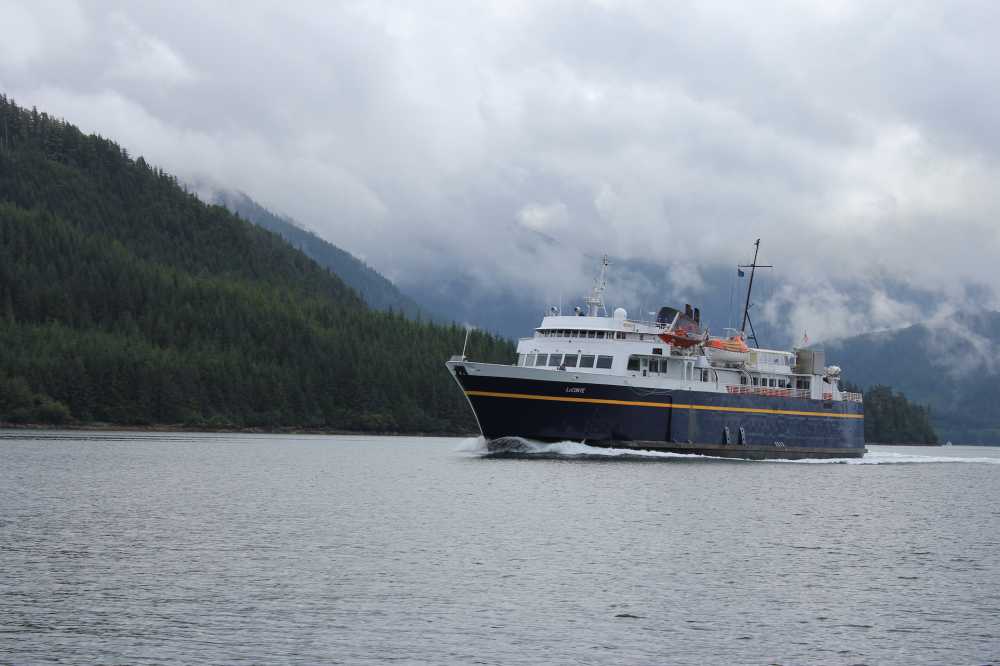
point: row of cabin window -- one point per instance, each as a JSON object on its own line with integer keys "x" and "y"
{"x": 567, "y": 360}
{"x": 600, "y": 335}
{"x": 771, "y": 382}
{"x": 658, "y": 365}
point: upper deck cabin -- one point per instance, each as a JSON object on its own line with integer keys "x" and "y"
{"x": 615, "y": 327}
{"x": 671, "y": 352}
{"x": 632, "y": 349}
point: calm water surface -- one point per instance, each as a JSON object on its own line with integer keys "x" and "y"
{"x": 151, "y": 548}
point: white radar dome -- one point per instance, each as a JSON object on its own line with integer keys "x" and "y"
{"x": 620, "y": 313}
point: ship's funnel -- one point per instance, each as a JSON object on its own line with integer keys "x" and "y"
{"x": 666, "y": 315}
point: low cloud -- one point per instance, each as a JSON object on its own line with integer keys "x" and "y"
{"x": 515, "y": 143}
{"x": 544, "y": 218}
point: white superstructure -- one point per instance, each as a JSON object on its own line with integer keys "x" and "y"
{"x": 632, "y": 352}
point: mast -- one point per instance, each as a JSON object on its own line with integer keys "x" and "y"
{"x": 595, "y": 302}
{"x": 746, "y": 308}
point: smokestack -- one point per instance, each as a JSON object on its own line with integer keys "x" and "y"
{"x": 697, "y": 315}
{"x": 687, "y": 311}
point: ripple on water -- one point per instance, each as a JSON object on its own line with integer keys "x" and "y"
{"x": 188, "y": 548}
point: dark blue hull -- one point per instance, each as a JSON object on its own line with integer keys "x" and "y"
{"x": 717, "y": 424}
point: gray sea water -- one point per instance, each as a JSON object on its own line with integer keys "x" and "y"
{"x": 133, "y": 548}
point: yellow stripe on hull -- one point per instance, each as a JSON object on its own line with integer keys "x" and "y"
{"x": 663, "y": 405}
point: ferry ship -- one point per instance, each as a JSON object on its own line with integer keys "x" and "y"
{"x": 664, "y": 385}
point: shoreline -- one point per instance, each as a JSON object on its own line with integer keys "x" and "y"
{"x": 907, "y": 444}
{"x": 166, "y": 428}
{"x": 290, "y": 430}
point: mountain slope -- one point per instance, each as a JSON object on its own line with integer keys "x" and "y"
{"x": 125, "y": 299}
{"x": 372, "y": 286}
{"x": 950, "y": 366}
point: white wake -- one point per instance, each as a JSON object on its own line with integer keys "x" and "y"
{"x": 888, "y": 458}
{"x": 518, "y": 446}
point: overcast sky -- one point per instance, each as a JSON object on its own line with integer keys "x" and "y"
{"x": 860, "y": 140}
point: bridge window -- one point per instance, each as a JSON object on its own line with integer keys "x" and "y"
{"x": 604, "y": 362}
{"x": 587, "y": 361}
{"x": 569, "y": 360}
{"x": 633, "y": 363}
{"x": 541, "y": 359}
{"x": 555, "y": 360}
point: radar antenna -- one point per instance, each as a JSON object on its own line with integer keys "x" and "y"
{"x": 595, "y": 302}
{"x": 746, "y": 309}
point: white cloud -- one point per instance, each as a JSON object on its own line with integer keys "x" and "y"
{"x": 142, "y": 58}
{"x": 547, "y": 218}
{"x": 855, "y": 137}
{"x": 35, "y": 32}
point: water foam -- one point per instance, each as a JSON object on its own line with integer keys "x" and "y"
{"x": 521, "y": 447}
{"x": 472, "y": 445}
{"x": 887, "y": 458}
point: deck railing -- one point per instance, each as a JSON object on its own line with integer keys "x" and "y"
{"x": 789, "y": 393}
{"x": 769, "y": 391}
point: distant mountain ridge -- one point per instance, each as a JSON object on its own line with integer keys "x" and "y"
{"x": 376, "y": 291}
{"x": 949, "y": 365}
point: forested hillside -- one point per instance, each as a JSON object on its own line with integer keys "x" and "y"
{"x": 374, "y": 289}
{"x": 890, "y": 418}
{"x": 125, "y": 299}
{"x": 952, "y": 369}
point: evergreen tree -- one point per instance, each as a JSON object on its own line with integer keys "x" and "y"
{"x": 125, "y": 299}
{"x": 892, "y": 419}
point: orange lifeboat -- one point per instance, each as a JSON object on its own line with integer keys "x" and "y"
{"x": 682, "y": 329}
{"x": 733, "y": 344}
{"x": 683, "y": 338}
{"x": 727, "y": 349}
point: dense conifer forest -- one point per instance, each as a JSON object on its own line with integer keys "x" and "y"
{"x": 892, "y": 419}
{"x": 125, "y": 299}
